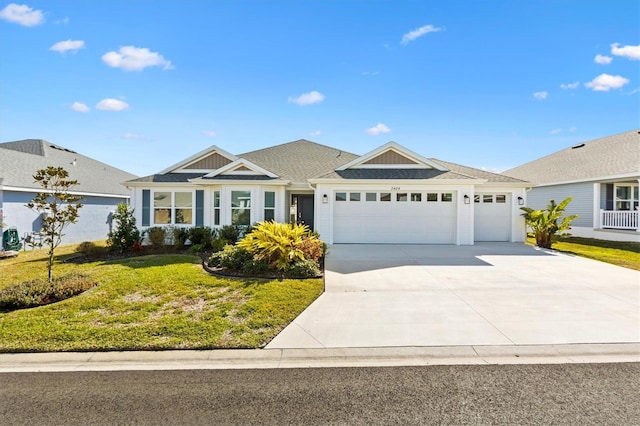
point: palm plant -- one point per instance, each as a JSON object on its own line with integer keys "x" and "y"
{"x": 544, "y": 223}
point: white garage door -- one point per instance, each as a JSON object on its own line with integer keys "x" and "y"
{"x": 492, "y": 217}
{"x": 394, "y": 217}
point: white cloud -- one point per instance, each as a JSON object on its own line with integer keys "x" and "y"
{"x": 555, "y": 131}
{"x": 134, "y": 136}
{"x": 210, "y": 133}
{"x": 80, "y": 107}
{"x": 540, "y": 95}
{"x": 572, "y": 129}
{"x": 634, "y": 91}
{"x": 570, "y": 85}
{"x": 111, "y": 104}
{"x": 63, "y": 21}
{"x": 315, "y": 133}
{"x": 131, "y": 58}
{"x": 67, "y": 45}
{"x": 606, "y": 82}
{"x": 602, "y": 59}
{"x": 630, "y": 52}
{"x": 412, "y": 35}
{"x": 377, "y": 129}
{"x": 22, "y": 14}
{"x": 310, "y": 98}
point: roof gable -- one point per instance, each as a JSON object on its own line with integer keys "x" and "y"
{"x": 210, "y": 159}
{"x": 391, "y": 156}
{"x": 241, "y": 167}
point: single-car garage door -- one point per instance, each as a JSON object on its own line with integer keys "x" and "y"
{"x": 401, "y": 217}
{"x": 492, "y": 217}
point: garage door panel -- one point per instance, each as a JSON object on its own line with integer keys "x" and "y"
{"x": 492, "y": 217}
{"x": 394, "y": 222}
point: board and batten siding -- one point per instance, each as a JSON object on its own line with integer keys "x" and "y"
{"x": 582, "y": 204}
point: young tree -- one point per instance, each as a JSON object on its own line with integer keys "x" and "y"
{"x": 126, "y": 234}
{"x": 544, "y": 223}
{"x": 58, "y": 206}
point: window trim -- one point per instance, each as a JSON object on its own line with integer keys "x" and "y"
{"x": 172, "y": 208}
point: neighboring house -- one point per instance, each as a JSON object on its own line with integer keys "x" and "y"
{"x": 99, "y": 184}
{"x": 389, "y": 195}
{"x": 602, "y": 176}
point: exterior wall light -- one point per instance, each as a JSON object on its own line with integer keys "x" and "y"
{"x": 520, "y": 201}
{"x": 325, "y": 199}
{"x": 467, "y": 200}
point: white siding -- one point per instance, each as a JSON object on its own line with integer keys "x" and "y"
{"x": 582, "y": 204}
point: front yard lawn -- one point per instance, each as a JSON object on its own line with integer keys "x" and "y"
{"x": 626, "y": 254}
{"x": 150, "y": 303}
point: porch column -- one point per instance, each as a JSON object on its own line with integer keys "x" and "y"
{"x": 596, "y": 206}
{"x": 638, "y": 218}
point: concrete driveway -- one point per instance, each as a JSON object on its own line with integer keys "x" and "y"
{"x": 486, "y": 294}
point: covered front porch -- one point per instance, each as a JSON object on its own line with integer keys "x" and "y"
{"x": 616, "y": 206}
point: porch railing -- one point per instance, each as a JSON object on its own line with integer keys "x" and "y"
{"x": 627, "y": 219}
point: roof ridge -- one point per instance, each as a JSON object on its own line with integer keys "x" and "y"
{"x": 296, "y": 141}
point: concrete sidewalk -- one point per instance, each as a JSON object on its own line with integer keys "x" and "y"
{"x": 482, "y": 295}
{"x": 317, "y": 358}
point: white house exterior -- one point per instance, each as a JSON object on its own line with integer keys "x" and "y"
{"x": 602, "y": 176}
{"x": 99, "y": 184}
{"x": 389, "y": 195}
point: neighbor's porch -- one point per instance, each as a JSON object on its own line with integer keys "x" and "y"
{"x": 616, "y": 205}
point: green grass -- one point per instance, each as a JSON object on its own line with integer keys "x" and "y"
{"x": 150, "y": 303}
{"x": 626, "y": 254}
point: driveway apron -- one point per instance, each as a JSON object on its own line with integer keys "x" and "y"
{"x": 487, "y": 294}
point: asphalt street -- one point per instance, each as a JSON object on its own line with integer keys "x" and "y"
{"x": 559, "y": 394}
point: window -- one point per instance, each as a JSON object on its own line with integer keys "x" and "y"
{"x": 446, "y": 197}
{"x": 184, "y": 207}
{"x": 476, "y": 198}
{"x": 172, "y": 208}
{"x": 432, "y": 196}
{"x": 626, "y": 197}
{"x": 240, "y": 207}
{"x": 401, "y": 196}
{"x": 416, "y": 196}
{"x": 487, "y": 198}
{"x": 162, "y": 207}
{"x": 341, "y": 196}
{"x": 371, "y": 196}
{"x": 269, "y": 205}
{"x": 216, "y": 207}
{"x": 385, "y": 196}
{"x": 501, "y": 198}
{"x": 354, "y": 196}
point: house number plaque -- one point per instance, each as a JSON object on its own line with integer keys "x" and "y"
{"x": 395, "y": 188}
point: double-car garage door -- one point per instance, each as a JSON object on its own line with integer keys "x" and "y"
{"x": 395, "y": 217}
{"x": 418, "y": 217}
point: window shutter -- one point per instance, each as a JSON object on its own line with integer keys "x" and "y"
{"x": 146, "y": 207}
{"x": 199, "y": 207}
{"x": 609, "y": 196}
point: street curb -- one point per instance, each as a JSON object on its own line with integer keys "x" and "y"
{"x": 320, "y": 358}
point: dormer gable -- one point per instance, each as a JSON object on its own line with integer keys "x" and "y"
{"x": 241, "y": 167}
{"x": 391, "y": 156}
{"x": 210, "y": 159}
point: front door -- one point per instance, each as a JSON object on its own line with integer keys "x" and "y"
{"x": 305, "y": 210}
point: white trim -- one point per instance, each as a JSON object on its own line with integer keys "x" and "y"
{"x": 240, "y": 162}
{"x": 399, "y": 149}
{"x": 88, "y": 194}
{"x": 230, "y": 182}
{"x": 395, "y": 182}
{"x": 600, "y": 179}
{"x": 198, "y": 156}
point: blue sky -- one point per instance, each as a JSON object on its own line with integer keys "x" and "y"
{"x": 141, "y": 85}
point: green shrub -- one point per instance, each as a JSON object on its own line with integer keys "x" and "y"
{"x": 255, "y": 267}
{"x": 231, "y": 233}
{"x": 180, "y": 237}
{"x": 303, "y": 269}
{"x": 156, "y": 236}
{"x": 231, "y": 257}
{"x": 41, "y": 292}
{"x": 202, "y": 235}
{"x": 544, "y": 223}
{"x": 280, "y": 244}
{"x": 218, "y": 244}
{"x": 312, "y": 248}
{"x": 125, "y": 234}
{"x": 91, "y": 250}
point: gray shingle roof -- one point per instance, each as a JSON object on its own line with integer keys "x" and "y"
{"x": 478, "y": 173}
{"x": 610, "y": 156}
{"x": 393, "y": 174}
{"x": 299, "y": 160}
{"x": 169, "y": 178}
{"x": 21, "y": 159}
